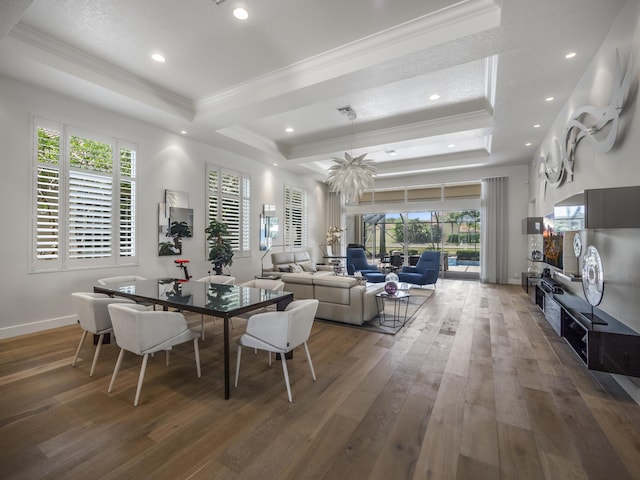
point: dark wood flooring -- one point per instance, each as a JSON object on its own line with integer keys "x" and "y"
{"x": 477, "y": 386}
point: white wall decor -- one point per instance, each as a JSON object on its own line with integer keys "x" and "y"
{"x": 599, "y": 125}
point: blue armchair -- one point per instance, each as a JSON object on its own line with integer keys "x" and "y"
{"x": 357, "y": 262}
{"x": 425, "y": 272}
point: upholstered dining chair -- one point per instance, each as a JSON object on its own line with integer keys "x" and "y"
{"x": 93, "y": 317}
{"x": 275, "y": 285}
{"x": 142, "y": 332}
{"x": 220, "y": 280}
{"x": 280, "y": 332}
{"x": 123, "y": 278}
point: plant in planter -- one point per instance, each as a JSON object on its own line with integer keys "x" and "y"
{"x": 220, "y": 251}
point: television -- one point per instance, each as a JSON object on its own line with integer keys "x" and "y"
{"x": 552, "y": 241}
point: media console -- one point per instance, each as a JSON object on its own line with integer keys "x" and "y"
{"x": 613, "y": 348}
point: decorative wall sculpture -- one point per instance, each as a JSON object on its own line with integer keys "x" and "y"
{"x": 598, "y": 125}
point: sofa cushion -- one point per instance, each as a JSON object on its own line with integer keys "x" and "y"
{"x": 308, "y": 267}
{"x": 302, "y": 256}
{"x": 303, "y": 278}
{"x": 295, "y": 268}
{"x": 335, "y": 281}
{"x": 282, "y": 258}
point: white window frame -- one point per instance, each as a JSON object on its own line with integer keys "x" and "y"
{"x": 240, "y": 237}
{"x": 295, "y": 226}
{"x": 115, "y": 255}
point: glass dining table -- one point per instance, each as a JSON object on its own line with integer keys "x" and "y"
{"x": 222, "y": 301}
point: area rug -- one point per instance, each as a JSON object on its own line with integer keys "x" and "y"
{"x": 418, "y": 298}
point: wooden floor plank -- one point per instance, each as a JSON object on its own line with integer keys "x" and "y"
{"x": 477, "y": 385}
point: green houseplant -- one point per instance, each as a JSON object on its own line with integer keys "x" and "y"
{"x": 220, "y": 251}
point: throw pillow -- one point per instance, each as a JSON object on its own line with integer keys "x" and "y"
{"x": 295, "y": 269}
{"x": 285, "y": 268}
{"x": 308, "y": 267}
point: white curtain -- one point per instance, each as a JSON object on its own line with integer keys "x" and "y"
{"x": 334, "y": 219}
{"x": 493, "y": 215}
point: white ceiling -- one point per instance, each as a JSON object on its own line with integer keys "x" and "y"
{"x": 293, "y": 63}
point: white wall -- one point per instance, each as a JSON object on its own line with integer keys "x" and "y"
{"x": 36, "y": 301}
{"x": 619, "y": 167}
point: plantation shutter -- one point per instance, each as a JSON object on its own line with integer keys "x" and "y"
{"x": 127, "y": 219}
{"x": 47, "y": 197}
{"x": 228, "y": 201}
{"x": 295, "y": 217}
{"x": 246, "y": 214}
{"x": 84, "y": 199}
{"x": 230, "y": 190}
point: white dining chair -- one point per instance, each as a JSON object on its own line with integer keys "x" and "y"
{"x": 265, "y": 284}
{"x": 142, "y": 332}
{"x": 93, "y": 317}
{"x": 280, "y": 332}
{"x": 123, "y": 278}
{"x": 219, "y": 280}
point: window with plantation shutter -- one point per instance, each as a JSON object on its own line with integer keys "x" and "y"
{"x": 228, "y": 201}
{"x": 127, "y": 202}
{"x": 84, "y": 199}
{"x": 295, "y": 217}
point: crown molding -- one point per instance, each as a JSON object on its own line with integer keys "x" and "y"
{"x": 49, "y": 51}
{"x": 379, "y": 138}
{"x": 460, "y": 20}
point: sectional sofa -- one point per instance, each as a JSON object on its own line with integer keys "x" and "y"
{"x": 342, "y": 299}
{"x": 295, "y": 262}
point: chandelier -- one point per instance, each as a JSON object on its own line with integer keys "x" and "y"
{"x": 353, "y": 175}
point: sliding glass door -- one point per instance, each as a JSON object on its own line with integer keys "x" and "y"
{"x": 400, "y": 238}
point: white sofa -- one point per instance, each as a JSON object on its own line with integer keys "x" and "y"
{"x": 342, "y": 299}
{"x": 294, "y": 262}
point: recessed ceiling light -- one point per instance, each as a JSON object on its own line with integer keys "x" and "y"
{"x": 275, "y": 164}
{"x": 390, "y": 151}
{"x": 288, "y": 130}
{"x": 183, "y": 132}
{"x": 435, "y": 96}
{"x": 240, "y": 13}
{"x": 528, "y": 144}
{"x": 537, "y": 125}
{"x": 158, "y": 58}
{"x": 570, "y": 55}
{"x": 451, "y": 145}
{"x": 549, "y": 99}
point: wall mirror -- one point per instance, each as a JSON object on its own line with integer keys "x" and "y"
{"x": 268, "y": 226}
{"x": 175, "y": 222}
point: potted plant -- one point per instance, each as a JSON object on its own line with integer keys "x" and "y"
{"x": 220, "y": 251}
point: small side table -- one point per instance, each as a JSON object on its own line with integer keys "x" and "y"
{"x": 399, "y": 316}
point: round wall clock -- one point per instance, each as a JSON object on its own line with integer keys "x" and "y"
{"x": 592, "y": 276}
{"x": 577, "y": 244}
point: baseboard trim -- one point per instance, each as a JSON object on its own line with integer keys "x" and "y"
{"x": 39, "y": 326}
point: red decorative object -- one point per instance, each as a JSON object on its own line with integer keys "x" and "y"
{"x": 182, "y": 264}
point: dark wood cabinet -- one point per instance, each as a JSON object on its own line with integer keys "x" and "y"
{"x": 613, "y": 348}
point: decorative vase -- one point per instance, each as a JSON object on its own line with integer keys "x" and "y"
{"x": 391, "y": 283}
{"x": 329, "y": 251}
